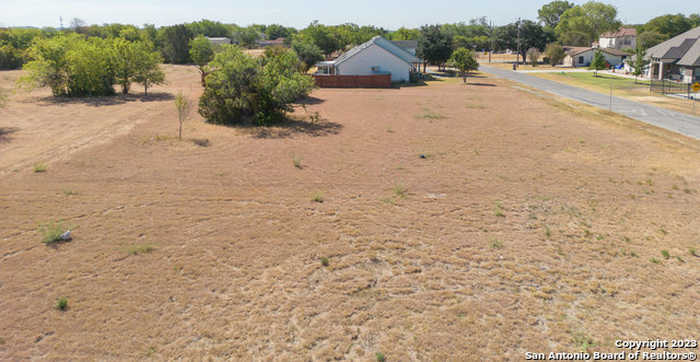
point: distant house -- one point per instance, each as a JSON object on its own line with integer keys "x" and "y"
{"x": 279, "y": 42}
{"x": 377, "y": 56}
{"x": 624, "y": 38}
{"x": 407, "y": 45}
{"x": 219, "y": 41}
{"x": 677, "y": 58}
{"x": 583, "y": 56}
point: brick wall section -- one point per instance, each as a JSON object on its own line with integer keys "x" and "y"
{"x": 353, "y": 81}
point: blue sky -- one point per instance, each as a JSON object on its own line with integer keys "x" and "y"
{"x": 389, "y": 14}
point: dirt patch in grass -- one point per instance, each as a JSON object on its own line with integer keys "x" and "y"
{"x": 529, "y": 226}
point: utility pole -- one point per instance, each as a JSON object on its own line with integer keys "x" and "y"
{"x": 517, "y": 57}
{"x": 60, "y": 20}
{"x": 491, "y": 36}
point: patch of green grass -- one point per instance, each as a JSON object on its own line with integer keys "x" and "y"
{"x": 380, "y": 357}
{"x": 40, "y": 167}
{"x": 62, "y": 303}
{"x": 297, "y": 162}
{"x": 655, "y": 261}
{"x": 429, "y": 114}
{"x": 499, "y": 210}
{"x": 318, "y": 197}
{"x": 633, "y": 254}
{"x": 140, "y": 249}
{"x": 69, "y": 192}
{"x": 51, "y": 232}
{"x": 325, "y": 261}
{"x": 547, "y": 232}
{"x": 692, "y": 251}
{"x": 666, "y": 254}
{"x": 496, "y": 244}
{"x": 400, "y": 191}
{"x": 583, "y": 342}
{"x": 680, "y": 259}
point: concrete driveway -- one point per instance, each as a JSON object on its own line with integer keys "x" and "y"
{"x": 673, "y": 121}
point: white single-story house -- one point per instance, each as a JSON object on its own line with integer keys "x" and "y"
{"x": 583, "y": 57}
{"x": 377, "y": 56}
{"x": 677, "y": 58}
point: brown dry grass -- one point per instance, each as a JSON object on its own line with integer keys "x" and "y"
{"x": 528, "y": 225}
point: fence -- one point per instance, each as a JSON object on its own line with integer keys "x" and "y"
{"x": 353, "y": 81}
{"x": 670, "y": 87}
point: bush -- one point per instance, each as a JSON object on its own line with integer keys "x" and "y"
{"x": 71, "y": 66}
{"x": 555, "y": 53}
{"x": 175, "y": 43}
{"x": 10, "y": 57}
{"x": 62, "y": 303}
{"x": 240, "y": 88}
{"x": 533, "y": 55}
{"x": 309, "y": 53}
{"x": 74, "y": 66}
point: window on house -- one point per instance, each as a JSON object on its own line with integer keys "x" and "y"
{"x": 580, "y": 60}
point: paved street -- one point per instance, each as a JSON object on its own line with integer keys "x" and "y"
{"x": 660, "y": 117}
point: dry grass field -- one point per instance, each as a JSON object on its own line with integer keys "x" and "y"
{"x": 427, "y": 223}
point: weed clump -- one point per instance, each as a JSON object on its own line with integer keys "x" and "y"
{"x": 52, "y": 233}
{"x": 62, "y": 303}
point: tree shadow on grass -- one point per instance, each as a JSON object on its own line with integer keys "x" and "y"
{"x": 104, "y": 101}
{"x": 480, "y": 84}
{"x": 6, "y": 132}
{"x": 289, "y": 128}
{"x": 311, "y": 100}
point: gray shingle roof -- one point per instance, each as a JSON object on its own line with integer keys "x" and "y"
{"x": 406, "y": 44}
{"x": 382, "y": 43}
{"x": 660, "y": 50}
{"x": 692, "y": 56}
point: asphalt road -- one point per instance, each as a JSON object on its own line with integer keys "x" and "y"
{"x": 673, "y": 121}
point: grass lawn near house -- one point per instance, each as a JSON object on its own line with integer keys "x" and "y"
{"x": 541, "y": 66}
{"x": 622, "y": 87}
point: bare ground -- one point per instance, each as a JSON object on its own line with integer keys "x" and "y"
{"x": 529, "y": 224}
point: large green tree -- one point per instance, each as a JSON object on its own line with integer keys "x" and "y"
{"x": 201, "y": 52}
{"x": 434, "y": 46}
{"x": 669, "y": 25}
{"x": 309, "y": 54}
{"x": 175, "y": 43}
{"x": 149, "y": 72}
{"x": 532, "y": 35}
{"x": 582, "y": 24}
{"x": 649, "y": 38}
{"x": 550, "y": 13}
{"x": 405, "y": 34}
{"x": 240, "y": 88}
{"x": 322, "y": 36}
